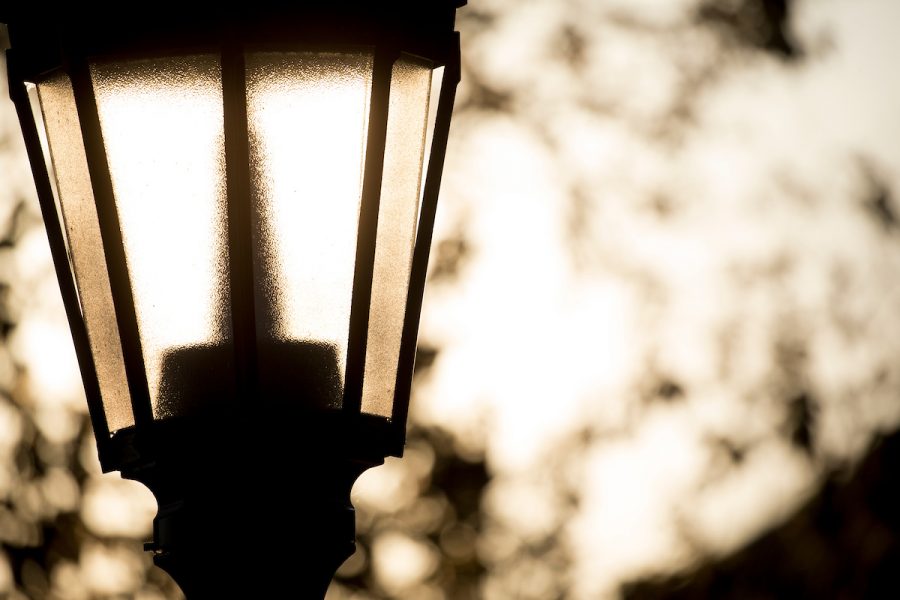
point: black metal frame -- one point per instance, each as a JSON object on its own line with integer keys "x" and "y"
{"x": 59, "y": 253}
{"x": 207, "y": 471}
{"x": 422, "y": 251}
{"x": 368, "y": 227}
{"x": 422, "y": 29}
{"x": 240, "y": 259}
{"x": 113, "y": 245}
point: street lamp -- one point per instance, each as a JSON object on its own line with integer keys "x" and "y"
{"x": 240, "y": 204}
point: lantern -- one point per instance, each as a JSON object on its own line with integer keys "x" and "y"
{"x": 240, "y": 204}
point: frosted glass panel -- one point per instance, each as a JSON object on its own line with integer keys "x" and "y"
{"x": 34, "y": 102}
{"x": 397, "y": 220}
{"x": 162, "y": 124}
{"x": 72, "y": 188}
{"x": 437, "y": 80}
{"x": 308, "y": 120}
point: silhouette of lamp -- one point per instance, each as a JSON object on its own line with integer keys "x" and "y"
{"x": 239, "y": 204}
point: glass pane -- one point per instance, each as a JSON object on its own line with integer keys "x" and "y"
{"x": 75, "y": 200}
{"x": 163, "y": 128}
{"x": 437, "y": 79}
{"x": 308, "y": 120}
{"x": 34, "y": 101}
{"x": 397, "y": 221}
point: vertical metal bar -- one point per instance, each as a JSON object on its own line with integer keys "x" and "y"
{"x": 240, "y": 250}
{"x": 422, "y": 251}
{"x": 113, "y": 246}
{"x": 368, "y": 228}
{"x": 58, "y": 251}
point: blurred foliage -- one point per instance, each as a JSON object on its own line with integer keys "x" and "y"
{"x": 47, "y": 463}
{"x": 762, "y": 24}
{"x": 441, "y": 521}
{"x": 844, "y": 543}
{"x": 436, "y": 512}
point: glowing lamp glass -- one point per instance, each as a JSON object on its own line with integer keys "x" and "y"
{"x": 161, "y": 123}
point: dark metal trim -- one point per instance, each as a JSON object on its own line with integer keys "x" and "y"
{"x": 105, "y": 27}
{"x": 337, "y": 434}
{"x": 240, "y": 232}
{"x": 433, "y": 48}
{"x": 368, "y": 227}
{"x": 422, "y": 251}
{"x": 113, "y": 246}
{"x": 60, "y": 256}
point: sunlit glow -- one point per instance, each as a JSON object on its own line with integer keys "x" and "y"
{"x": 397, "y": 219}
{"x": 162, "y": 123}
{"x": 308, "y": 115}
{"x": 66, "y": 582}
{"x": 109, "y": 569}
{"x": 387, "y": 488}
{"x": 437, "y": 82}
{"x": 761, "y": 494}
{"x": 56, "y": 374}
{"x": 394, "y": 486}
{"x": 60, "y": 489}
{"x": 603, "y": 254}
{"x": 7, "y": 580}
{"x": 41, "y": 126}
{"x": 74, "y": 197}
{"x": 603, "y": 258}
{"x": 116, "y": 507}
{"x": 400, "y": 562}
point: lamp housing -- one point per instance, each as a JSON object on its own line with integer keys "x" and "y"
{"x": 240, "y": 203}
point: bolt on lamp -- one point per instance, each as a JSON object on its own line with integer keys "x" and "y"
{"x": 239, "y": 204}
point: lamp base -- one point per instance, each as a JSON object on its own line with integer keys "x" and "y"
{"x": 264, "y": 516}
{"x": 215, "y": 548}
{"x": 256, "y": 538}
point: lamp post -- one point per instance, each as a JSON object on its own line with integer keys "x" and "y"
{"x": 239, "y": 204}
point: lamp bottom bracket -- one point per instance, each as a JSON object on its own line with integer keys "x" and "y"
{"x": 265, "y": 517}
{"x": 253, "y": 550}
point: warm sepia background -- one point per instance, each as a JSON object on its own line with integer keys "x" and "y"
{"x": 660, "y": 352}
